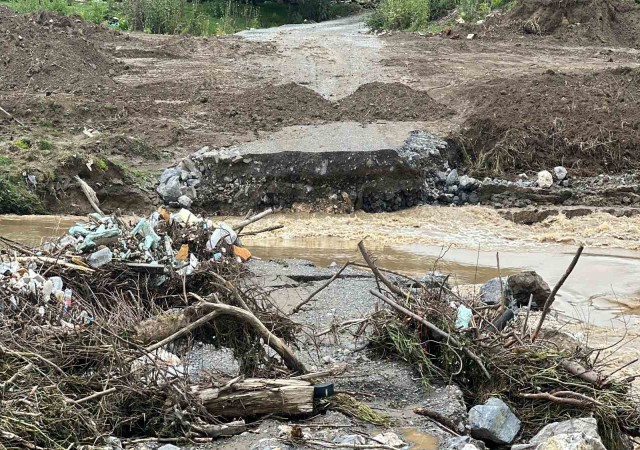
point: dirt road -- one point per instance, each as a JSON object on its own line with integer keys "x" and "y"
{"x": 313, "y": 87}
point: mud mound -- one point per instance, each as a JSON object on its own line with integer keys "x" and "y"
{"x": 390, "y": 101}
{"x": 611, "y": 22}
{"x": 271, "y": 108}
{"x": 291, "y": 104}
{"x": 589, "y": 123}
{"x": 50, "y": 53}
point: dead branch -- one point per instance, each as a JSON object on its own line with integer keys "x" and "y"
{"x": 92, "y": 198}
{"x": 238, "y": 227}
{"x": 263, "y": 230}
{"x": 561, "y": 400}
{"x": 590, "y": 376}
{"x": 54, "y": 261}
{"x": 552, "y": 295}
{"x": 12, "y": 117}
{"x": 321, "y": 288}
{"x": 449, "y": 424}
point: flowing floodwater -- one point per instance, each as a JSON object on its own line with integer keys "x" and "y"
{"x": 603, "y": 290}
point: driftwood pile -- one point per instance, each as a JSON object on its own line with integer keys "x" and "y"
{"x": 493, "y": 356}
{"x": 102, "y": 358}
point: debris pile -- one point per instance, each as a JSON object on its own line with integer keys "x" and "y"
{"x": 515, "y": 377}
{"x": 93, "y": 327}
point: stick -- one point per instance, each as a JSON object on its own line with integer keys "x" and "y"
{"x": 264, "y": 230}
{"x": 433, "y": 328}
{"x": 503, "y": 298}
{"x": 562, "y": 400}
{"x": 15, "y": 376}
{"x": 526, "y": 318}
{"x": 590, "y": 376}
{"x": 90, "y": 194}
{"x": 54, "y": 261}
{"x": 11, "y": 116}
{"x": 552, "y": 295}
{"x": 95, "y": 395}
{"x": 250, "y": 220}
{"x": 320, "y": 289}
{"x": 438, "y": 418}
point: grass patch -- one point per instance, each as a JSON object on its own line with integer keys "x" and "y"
{"x": 102, "y": 164}
{"x": 45, "y": 145}
{"x": 5, "y": 161}
{"x": 418, "y": 15}
{"x": 23, "y": 143}
{"x": 15, "y": 199}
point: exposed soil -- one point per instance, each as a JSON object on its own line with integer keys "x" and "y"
{"x": 584, "y": 22}
{"x": 45, "y": 52}
{"x": 588, "y": 123}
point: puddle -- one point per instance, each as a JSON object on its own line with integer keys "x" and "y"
{"x": 420, "y": 440}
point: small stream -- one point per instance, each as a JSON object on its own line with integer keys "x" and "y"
{"x": 603, "y": 289}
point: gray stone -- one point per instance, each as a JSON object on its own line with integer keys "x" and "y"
{"x": 189, "y": 191}
{"x": 585, "y": 426}
{"x": 170, "y": 190}
{"x": 462, "y": 443}
{"x": 350, "y": 439}
{"x": 490, "y": 292}
{"x": 560, "y": 173}
{"x": 468, "y": 183}
{"x": 193, "y": 182}
{"x": 452, "y": 189}
{"x": 169, "y": 447}
{"x": 494, "y": 422}
{"x": 449, "y": 402}
{"x": 185, "y": 201}
{"x": 452, "y": 178}
{"x": 169, "y": 173}
{"x": 435, "y": 280}
{"x": 474, "y": 198}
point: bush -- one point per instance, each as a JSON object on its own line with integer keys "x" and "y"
{"x": 95, "y": 12}
{"x": 401, "y": 15}
{"x": 315, "y": 10}
{"x": 156, "y": 16}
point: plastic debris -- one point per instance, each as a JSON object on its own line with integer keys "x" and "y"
{"x": 223, "y": 231}
{"x": 100, "y": 258}
{"x": 464, "y": 317}
{"x": 241, "y": 252}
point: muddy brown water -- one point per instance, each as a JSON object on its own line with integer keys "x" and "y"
{"x": 603, "y": 289}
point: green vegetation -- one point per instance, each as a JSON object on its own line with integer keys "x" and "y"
{"x": 23, "y": 143}
{"x": 102, "y": 164}
{"x": 15, "y": 199}
{"x": 45, "y": 145}
{"x": 414, "y": 15}
{"x": 195, "y": 17}
{"x": 5, "y": 161}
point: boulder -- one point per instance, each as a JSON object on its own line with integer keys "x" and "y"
{"x": 545, "y": 179}
{"x": 169, "y": 447}
{"x": 270, "y": 444}
{"x": 574, "y": 434}
{"x": 560, "y": 173}
{"x": 350, "y": 439}
{"x": 449, "y": 402}
{"x": 170, "y": 189}
{"x": 517, "y": 290}
{"x": 169, "y": 173}
{"x": 452, "y": 178}
{"x": 494, "y": 421}
{"x": 522, "y": 285}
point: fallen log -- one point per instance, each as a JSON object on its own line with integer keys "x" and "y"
{"x": 257, "y": 396}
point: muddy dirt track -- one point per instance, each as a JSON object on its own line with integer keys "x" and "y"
{"x": 509, "y": 101}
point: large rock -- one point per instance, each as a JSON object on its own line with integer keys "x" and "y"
{"x": 545, "y": 179}
{"x": 523, "y": 285}
{"x": 517, "y": 290}
{"x": 449, "y": 402}
{"x": 468, "y": 183}
{"x": 494, "y": 421}
{"x": 574, "y": 434}
{"x": 170, "y": 189}
{"x": 560, "y": 173}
